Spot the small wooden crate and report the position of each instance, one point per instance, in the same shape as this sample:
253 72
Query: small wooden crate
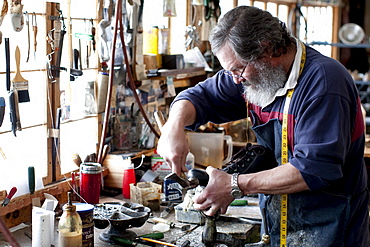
147 194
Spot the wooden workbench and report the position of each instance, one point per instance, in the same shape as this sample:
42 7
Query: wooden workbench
238 229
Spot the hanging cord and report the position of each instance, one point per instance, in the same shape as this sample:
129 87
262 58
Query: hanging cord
131 80
118 21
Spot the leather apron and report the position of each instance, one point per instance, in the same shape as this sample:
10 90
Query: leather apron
315 218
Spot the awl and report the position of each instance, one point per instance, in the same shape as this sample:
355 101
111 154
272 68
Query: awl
9 197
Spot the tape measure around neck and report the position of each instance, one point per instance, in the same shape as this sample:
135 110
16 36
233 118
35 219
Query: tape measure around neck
285 154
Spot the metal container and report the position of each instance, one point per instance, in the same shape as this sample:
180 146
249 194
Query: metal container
90 182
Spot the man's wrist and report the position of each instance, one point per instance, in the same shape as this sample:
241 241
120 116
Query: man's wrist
235 190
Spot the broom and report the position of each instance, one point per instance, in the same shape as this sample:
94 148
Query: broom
19 83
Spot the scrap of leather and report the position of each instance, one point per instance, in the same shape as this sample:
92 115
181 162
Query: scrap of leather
4 11
17 16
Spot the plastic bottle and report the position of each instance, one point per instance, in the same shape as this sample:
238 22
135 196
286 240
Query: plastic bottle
190 161
70 226
129 177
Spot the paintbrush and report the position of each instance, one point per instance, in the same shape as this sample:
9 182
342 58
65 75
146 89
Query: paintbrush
19 83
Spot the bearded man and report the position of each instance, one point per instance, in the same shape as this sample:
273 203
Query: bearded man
292 94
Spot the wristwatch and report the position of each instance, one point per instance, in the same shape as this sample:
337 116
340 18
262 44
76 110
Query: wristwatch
235 190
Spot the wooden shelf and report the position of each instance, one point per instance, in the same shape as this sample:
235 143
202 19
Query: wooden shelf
340 45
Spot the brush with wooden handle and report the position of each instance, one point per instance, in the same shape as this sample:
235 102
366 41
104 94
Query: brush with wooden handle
19 83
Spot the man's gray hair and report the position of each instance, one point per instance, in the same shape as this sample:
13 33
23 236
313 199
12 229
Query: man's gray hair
250 32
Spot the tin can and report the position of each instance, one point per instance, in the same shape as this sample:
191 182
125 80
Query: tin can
86 212
172 190
90 182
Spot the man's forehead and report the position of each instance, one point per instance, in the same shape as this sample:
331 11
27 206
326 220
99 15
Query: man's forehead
227 59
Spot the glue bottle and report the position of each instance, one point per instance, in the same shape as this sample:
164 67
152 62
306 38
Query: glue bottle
70 226
129 177
190 163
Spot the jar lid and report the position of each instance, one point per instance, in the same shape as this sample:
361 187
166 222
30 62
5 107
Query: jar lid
90 166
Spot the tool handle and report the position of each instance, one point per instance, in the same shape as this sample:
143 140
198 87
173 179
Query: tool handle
7 59
34 37
159 119
31 179
17 61
160 220
12 192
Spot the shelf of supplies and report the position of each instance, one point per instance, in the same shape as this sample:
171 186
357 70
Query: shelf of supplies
341 45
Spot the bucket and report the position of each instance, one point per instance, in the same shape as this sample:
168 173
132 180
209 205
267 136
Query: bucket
208 148
86 212
90 182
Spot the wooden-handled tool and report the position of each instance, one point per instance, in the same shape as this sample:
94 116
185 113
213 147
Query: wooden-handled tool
9 197
159 119
34 28
19 83
28 35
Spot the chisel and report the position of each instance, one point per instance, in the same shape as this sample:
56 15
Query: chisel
9 197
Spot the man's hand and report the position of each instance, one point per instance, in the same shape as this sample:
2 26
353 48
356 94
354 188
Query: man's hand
173 147
216 196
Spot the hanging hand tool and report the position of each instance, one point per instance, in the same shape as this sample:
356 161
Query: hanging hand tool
2 110
13 94
28 35
31 179
34 28
14 112
55 143
9 197
19 83
93 31
4 11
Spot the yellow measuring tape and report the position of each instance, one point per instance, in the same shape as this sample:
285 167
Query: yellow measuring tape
285 155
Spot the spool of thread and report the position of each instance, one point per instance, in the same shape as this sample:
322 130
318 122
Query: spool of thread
41 229
129 177
86 212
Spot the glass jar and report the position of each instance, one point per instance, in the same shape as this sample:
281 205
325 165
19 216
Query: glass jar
70 226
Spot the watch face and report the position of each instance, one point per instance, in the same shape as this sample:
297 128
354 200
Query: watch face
236 194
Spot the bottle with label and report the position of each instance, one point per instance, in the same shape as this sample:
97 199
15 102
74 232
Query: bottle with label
70 226
159 165
129 177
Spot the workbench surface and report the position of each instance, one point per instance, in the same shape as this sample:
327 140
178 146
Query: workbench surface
237 228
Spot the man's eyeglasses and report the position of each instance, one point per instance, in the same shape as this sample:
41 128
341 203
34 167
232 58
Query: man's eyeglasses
226 72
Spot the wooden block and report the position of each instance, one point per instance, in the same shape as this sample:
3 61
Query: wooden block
113 180
3 194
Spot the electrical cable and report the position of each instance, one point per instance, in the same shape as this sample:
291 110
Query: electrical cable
118 21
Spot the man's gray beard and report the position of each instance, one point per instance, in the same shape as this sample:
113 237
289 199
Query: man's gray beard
261 88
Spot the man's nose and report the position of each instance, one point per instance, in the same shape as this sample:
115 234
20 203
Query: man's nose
238 80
